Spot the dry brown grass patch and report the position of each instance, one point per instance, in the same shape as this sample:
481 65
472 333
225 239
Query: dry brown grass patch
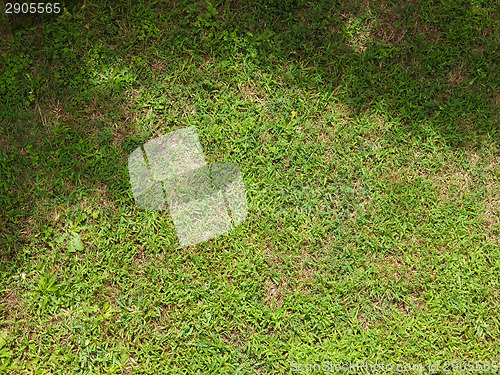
249 93
232 338
95 110
274 293
457 75
363 320
4 144
450 182
391 268
10 302
159 68
491 214
454 182
386 18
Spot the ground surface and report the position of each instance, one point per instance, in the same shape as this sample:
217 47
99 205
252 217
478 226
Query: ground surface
367 134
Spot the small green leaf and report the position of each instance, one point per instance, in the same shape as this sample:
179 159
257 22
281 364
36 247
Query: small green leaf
77 243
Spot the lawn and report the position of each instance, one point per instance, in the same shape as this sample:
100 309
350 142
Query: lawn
367 134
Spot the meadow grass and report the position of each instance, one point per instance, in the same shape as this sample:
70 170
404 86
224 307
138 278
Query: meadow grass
367 135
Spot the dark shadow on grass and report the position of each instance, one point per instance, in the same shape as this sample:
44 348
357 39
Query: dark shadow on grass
55 172
433 66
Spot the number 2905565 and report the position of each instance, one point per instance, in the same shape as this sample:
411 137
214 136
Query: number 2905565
32 8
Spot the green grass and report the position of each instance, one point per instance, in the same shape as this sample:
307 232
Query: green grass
367 135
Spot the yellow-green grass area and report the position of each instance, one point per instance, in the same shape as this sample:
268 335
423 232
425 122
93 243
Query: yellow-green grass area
367 136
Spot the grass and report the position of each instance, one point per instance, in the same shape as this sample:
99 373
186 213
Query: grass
367 135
